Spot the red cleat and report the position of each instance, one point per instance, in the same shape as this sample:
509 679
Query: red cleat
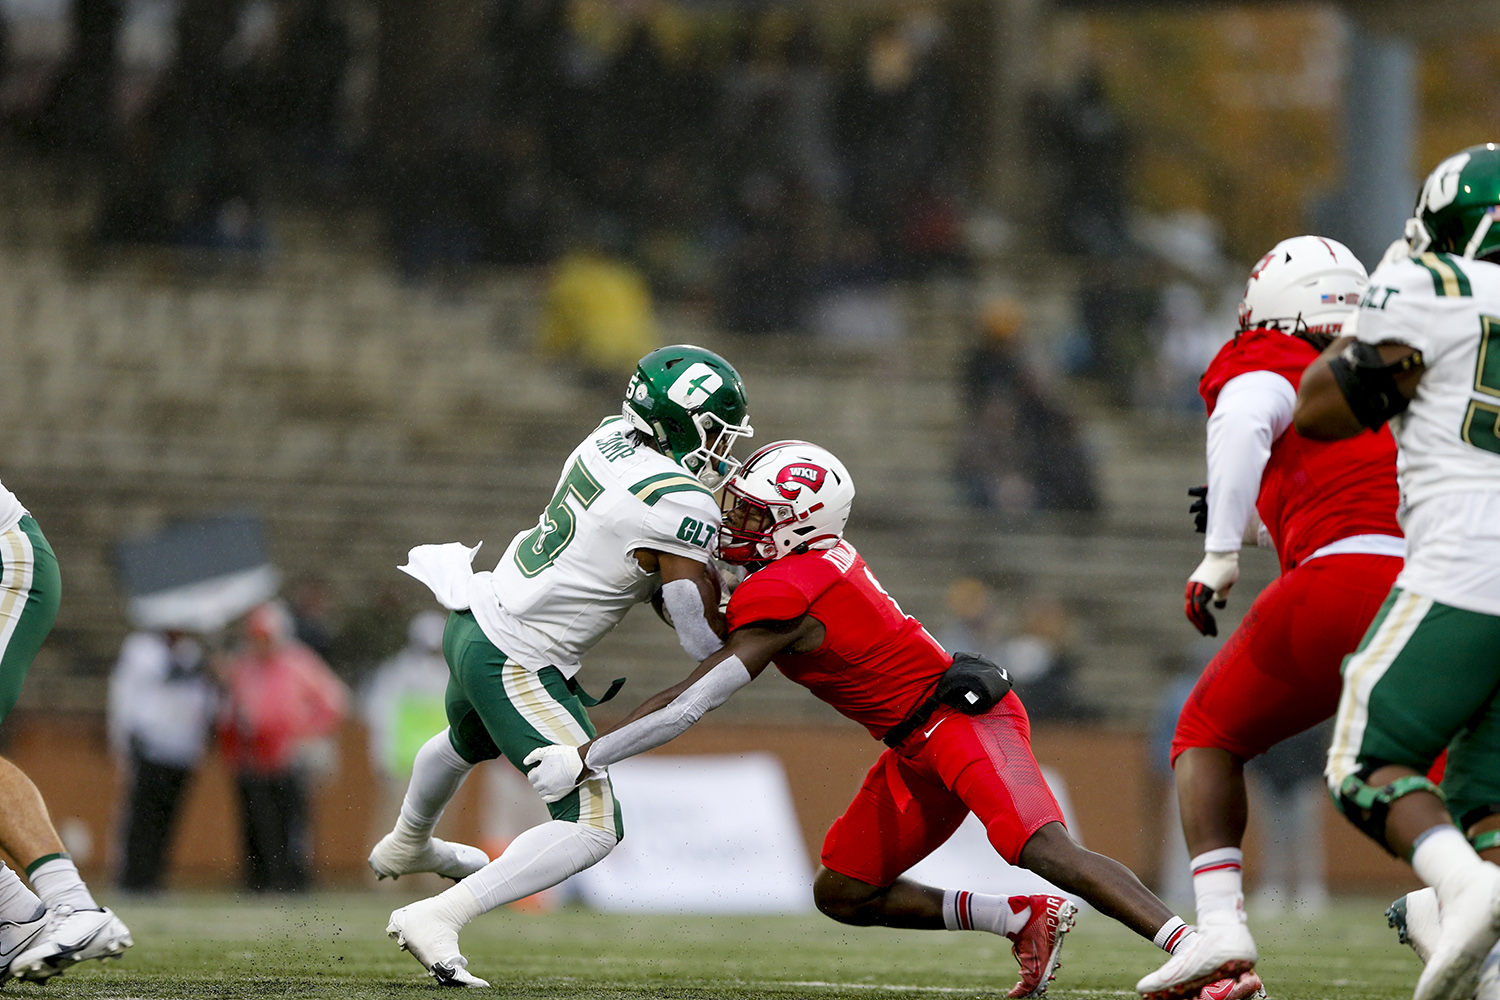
1038 945
1247 987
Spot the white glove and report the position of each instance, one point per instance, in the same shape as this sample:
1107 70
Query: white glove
1218 571
557 772
1211 580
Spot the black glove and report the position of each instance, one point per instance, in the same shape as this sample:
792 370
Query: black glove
1196 605
1199 508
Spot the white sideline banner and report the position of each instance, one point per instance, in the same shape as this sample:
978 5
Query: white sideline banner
703 834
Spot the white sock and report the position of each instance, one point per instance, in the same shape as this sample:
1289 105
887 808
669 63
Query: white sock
974 911
436 774
1173 935
1443 858
538 859
1218 886
17 903
56 880
456 904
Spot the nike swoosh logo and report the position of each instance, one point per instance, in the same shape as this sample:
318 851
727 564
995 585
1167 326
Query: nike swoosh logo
939 722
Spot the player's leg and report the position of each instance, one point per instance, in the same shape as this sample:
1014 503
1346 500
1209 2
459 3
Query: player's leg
519 710
987 762
438 770
900 815
1423 672
1276 676
78 927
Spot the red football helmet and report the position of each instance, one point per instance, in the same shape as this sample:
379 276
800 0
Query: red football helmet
787 497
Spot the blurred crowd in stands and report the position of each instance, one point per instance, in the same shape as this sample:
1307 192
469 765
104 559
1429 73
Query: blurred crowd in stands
743 155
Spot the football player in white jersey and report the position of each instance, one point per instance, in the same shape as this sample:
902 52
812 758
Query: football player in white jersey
633 514
38 937
1425 354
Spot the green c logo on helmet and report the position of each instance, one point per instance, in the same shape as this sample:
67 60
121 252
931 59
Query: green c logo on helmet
691 403
1460 204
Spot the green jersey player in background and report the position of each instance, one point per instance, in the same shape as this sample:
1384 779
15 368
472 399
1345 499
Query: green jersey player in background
633 515
1425 354
38 937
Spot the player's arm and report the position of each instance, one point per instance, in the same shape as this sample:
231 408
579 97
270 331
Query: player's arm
670 713
1355 385
1252 411
688 601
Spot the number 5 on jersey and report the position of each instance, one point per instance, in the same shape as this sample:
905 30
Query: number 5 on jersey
544 543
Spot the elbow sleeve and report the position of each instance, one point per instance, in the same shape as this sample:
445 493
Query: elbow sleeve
684 604
672 720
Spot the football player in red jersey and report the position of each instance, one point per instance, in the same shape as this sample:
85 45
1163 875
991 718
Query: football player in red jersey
1330 511
959 740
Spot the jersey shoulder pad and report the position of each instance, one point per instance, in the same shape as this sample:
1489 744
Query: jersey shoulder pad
1255 351
784 590
682 522
1424 276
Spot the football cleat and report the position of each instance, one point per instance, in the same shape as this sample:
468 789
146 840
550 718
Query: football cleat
1038 945
396 856
1470 928
1415 917
1247 987
16 936
71 936
421 930
1222 949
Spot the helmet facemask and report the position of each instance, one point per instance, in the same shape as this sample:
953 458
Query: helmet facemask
745 535
712 462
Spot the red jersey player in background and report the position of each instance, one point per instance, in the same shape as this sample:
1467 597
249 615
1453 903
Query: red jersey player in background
1330 511
959 739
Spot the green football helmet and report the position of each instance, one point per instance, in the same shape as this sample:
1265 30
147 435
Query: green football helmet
691 402
1459 205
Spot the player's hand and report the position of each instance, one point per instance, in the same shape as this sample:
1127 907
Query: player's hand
1199 508
1210 581
557 771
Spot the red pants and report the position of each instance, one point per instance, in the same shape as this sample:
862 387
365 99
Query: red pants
1278 674
916 796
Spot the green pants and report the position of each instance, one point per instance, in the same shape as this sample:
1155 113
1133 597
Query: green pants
30 592
496 706
1423 679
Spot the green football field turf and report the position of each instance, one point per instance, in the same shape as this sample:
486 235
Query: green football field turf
334 945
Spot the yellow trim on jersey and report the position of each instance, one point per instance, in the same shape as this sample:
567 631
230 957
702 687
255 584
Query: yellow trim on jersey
655 487
1447 279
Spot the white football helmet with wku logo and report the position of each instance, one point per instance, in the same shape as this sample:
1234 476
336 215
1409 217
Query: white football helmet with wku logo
789 496
1308 286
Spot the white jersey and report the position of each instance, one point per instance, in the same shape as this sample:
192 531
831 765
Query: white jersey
1449 437
566 582
11 510
1449 309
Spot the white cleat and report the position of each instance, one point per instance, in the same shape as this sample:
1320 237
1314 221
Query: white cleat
1470 928
72 936
16 936
433 941
394 857
1222 949
1415 917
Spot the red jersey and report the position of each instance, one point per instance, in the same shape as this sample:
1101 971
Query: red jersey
1311 492
876 663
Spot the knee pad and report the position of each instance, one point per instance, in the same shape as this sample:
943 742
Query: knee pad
1367 807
